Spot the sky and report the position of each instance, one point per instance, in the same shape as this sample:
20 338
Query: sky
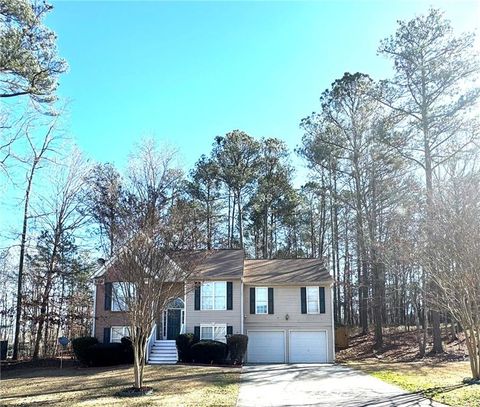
185 72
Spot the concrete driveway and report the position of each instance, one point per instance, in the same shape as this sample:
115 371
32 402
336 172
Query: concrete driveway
319 385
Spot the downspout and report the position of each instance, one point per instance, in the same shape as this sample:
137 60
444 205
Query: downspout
94 309
241 306
184 308
332 287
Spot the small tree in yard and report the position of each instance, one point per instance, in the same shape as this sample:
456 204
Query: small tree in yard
149 279
456 272
150 266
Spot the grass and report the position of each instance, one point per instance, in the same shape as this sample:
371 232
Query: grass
441 382
173 386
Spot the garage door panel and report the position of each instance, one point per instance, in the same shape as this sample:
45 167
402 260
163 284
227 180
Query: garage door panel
308 347
266 347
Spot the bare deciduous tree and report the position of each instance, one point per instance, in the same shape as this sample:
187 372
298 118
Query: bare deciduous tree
150 275
456 264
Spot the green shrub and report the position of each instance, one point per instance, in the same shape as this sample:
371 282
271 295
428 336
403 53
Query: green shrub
110 354
127 349
209 352
237 347
184 344
91 353
81 347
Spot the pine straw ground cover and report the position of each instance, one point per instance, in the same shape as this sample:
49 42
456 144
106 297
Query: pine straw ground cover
439 377
173 386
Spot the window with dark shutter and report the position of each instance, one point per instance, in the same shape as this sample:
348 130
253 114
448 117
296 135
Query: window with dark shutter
229 295
270 300
252 300
321 294
196 332
197 297
108 296
303 299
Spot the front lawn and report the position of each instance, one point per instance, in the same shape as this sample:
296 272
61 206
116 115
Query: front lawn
173 386
441 381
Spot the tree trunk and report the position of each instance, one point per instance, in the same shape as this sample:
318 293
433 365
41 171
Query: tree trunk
240 218
46 293
21 261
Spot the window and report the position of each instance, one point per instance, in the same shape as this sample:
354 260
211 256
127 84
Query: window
214 295
261 300
118 332
214 332
122 294
313 304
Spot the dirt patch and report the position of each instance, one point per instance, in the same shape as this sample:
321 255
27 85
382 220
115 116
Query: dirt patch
39 363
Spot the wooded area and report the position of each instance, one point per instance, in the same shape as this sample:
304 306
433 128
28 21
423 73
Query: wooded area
389 199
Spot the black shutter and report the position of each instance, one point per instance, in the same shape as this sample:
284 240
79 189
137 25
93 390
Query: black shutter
196 332
197 296
229 330
303 299
252 300
106 335
229 295
321 294
108 296
270 300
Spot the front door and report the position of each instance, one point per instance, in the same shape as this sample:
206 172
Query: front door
174 320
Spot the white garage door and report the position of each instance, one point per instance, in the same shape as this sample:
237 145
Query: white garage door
308 347
266 347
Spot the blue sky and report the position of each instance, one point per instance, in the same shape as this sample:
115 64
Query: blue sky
184 72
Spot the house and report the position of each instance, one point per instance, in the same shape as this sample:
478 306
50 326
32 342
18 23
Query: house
285 307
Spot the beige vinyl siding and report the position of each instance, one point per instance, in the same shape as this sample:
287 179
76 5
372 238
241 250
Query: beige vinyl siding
230 317
287 301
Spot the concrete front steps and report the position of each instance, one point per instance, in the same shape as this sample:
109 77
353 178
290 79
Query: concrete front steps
163 353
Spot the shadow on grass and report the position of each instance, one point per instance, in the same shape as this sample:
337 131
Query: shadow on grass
86 391
434 391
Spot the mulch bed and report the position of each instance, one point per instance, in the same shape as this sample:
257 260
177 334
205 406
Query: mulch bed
207 365
134 392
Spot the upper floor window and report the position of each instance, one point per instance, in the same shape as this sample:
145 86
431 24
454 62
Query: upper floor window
313 300
122 294
214 295
261 300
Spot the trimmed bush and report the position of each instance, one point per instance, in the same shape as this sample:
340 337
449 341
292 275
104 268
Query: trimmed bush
91 353
209 352
237 347
128 349
184 344
81 347
107 354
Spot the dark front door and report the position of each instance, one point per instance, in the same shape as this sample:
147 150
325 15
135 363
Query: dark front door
173 323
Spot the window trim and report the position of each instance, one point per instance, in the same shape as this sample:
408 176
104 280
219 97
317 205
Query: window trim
317 297
124 328
224 283
213 326
256 300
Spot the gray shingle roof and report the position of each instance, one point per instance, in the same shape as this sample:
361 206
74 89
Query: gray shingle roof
286 271
220 264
